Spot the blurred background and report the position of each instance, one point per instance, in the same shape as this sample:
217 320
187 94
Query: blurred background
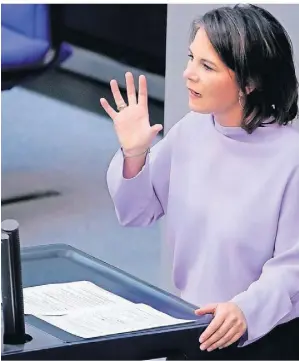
57 61
57 142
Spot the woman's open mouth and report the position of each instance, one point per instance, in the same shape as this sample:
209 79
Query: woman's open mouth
194 94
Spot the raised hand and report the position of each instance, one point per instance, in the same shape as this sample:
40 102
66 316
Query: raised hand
131 121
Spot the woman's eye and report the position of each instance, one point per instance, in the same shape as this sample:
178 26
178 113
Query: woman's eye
190 56
207 67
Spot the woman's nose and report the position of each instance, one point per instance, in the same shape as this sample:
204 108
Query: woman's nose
189 74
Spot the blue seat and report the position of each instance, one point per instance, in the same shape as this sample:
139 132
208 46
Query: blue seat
30 41
18 49
31 44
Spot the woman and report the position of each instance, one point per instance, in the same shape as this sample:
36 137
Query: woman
227 179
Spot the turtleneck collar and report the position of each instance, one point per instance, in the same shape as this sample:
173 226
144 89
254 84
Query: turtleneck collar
239 134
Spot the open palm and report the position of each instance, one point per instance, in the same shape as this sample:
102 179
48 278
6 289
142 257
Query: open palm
132 123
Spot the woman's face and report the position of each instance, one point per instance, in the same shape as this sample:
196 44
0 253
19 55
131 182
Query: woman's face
212 85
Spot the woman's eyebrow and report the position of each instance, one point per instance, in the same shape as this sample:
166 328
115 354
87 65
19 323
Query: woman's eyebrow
204 60
208 61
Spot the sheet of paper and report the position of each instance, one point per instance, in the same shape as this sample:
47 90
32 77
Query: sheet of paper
108 320
61 298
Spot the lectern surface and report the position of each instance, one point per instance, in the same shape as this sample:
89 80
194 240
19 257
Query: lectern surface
61 263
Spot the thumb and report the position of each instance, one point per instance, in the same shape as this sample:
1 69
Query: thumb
210 308
156 129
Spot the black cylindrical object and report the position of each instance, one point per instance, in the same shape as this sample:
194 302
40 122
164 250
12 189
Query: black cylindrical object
11 280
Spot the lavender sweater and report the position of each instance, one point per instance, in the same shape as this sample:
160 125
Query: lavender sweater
231 202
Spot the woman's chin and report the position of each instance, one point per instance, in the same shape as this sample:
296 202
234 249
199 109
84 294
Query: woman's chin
199 108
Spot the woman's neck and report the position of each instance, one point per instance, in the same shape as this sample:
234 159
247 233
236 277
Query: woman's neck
230 118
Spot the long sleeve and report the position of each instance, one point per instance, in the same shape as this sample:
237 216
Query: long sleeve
270 300
141 200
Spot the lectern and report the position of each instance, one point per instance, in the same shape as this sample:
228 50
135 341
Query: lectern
60 263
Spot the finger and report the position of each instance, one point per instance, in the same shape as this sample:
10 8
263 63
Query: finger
212 328
108 109
156 128
142 93
217 336
119 100
232 332
131 92
232 340
211 308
